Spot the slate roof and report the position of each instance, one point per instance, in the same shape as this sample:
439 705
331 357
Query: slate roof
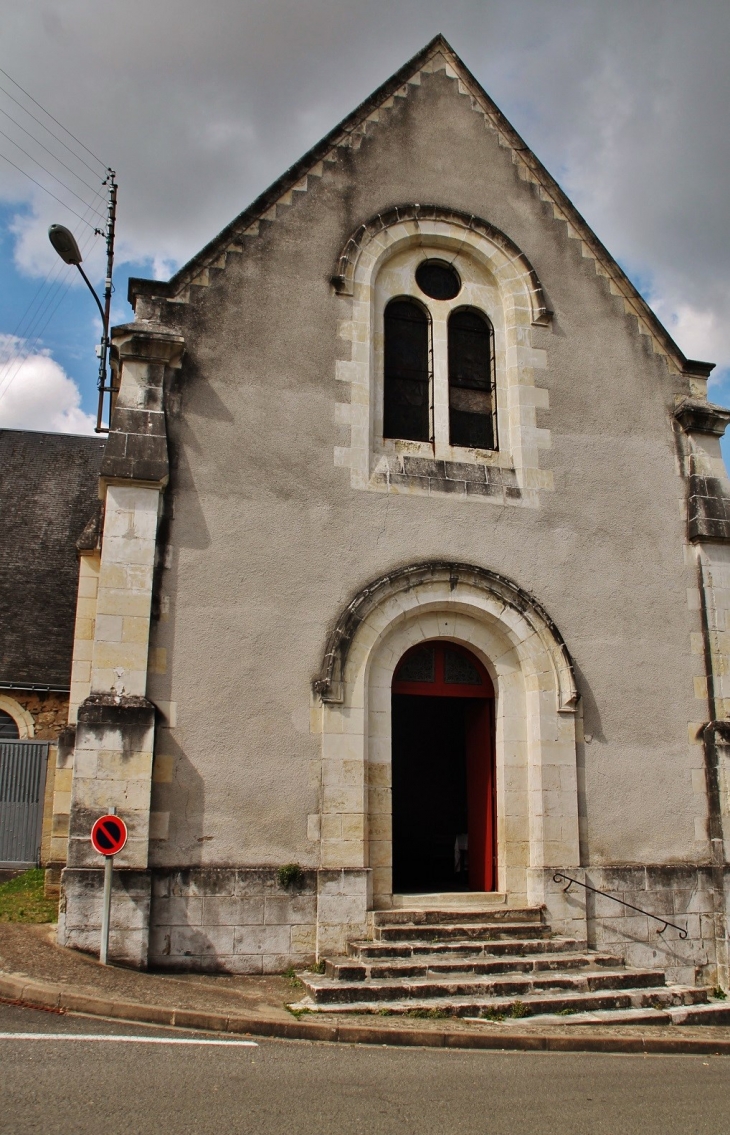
48 493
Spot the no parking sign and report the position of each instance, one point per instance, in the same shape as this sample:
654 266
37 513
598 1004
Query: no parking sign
109 835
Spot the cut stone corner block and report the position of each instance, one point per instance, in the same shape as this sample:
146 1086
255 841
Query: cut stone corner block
113 753
80 911
565 908
344 899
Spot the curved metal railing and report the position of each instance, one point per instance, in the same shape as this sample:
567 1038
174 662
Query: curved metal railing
559 877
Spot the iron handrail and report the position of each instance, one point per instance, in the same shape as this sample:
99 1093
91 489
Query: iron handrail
559 877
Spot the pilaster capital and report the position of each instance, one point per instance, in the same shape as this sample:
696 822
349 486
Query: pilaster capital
695 416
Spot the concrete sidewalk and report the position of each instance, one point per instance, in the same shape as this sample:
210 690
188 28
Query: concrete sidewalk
35 971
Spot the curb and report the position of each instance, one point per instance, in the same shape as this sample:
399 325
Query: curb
18 990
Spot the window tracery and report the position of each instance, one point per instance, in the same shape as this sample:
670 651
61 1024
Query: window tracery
474 368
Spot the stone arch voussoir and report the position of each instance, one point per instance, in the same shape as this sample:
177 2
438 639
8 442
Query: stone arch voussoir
531 630
511 267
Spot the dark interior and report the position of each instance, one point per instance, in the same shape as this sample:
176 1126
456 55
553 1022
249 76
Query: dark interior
429 793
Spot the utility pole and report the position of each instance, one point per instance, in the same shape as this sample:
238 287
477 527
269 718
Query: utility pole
65 245
103 349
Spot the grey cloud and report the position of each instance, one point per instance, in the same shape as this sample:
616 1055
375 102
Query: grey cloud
200 106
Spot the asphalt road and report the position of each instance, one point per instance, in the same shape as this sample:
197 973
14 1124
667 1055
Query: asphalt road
102 1087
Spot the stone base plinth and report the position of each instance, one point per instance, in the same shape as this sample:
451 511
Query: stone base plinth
80 910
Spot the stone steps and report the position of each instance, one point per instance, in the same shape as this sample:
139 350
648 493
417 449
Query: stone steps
349 969
496 964
324 990
511 947
563 1003
714 1013
487 917
440 931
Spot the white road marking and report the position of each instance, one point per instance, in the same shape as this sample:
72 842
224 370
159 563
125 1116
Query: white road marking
128 1039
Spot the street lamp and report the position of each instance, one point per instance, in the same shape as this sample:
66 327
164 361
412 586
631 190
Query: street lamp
64 242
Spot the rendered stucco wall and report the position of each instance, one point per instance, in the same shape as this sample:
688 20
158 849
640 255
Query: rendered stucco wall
268 539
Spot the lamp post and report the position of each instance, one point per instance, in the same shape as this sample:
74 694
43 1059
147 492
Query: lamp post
64 242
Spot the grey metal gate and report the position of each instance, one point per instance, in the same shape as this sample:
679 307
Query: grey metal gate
22 783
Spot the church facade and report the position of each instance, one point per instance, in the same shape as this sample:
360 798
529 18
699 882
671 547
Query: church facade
412 582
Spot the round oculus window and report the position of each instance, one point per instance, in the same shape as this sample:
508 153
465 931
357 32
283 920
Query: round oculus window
438 279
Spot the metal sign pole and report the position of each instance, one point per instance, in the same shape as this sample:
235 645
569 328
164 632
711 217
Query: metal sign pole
106 909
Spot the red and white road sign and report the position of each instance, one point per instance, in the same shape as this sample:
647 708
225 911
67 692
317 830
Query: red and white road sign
109 835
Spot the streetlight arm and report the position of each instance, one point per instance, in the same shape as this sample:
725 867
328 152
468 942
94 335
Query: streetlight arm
98 301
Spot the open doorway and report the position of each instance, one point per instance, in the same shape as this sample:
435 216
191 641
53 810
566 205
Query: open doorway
443 772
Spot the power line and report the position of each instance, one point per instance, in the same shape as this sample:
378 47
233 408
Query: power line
53 195
31 344
49 131
54 156
34 334
31 333
88 151
58 179
57 269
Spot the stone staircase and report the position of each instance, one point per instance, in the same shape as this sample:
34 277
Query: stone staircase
495 964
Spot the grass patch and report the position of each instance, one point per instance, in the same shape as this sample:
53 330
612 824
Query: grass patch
567 1012
427 1014
519 1009
719 994
290 876
317 967
291 975
492 1015
298 1013
22 899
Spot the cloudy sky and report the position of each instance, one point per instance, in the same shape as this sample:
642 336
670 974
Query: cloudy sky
199 106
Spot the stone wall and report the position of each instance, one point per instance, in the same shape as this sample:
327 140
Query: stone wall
80 908
682 894
49 711
216 919
242 920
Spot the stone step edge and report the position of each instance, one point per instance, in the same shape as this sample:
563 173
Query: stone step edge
439 932
424 916
317 983
403 1006
453 945
463 964
19 989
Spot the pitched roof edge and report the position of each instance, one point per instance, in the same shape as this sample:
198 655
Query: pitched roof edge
583 230
634 301
290 176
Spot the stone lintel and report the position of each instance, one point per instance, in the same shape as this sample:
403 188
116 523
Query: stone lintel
695 416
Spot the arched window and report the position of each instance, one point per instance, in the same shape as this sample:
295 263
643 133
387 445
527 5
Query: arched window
471 386
8 727
407 385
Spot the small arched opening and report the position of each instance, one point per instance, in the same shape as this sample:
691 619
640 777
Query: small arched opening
9 730
443 779
407 379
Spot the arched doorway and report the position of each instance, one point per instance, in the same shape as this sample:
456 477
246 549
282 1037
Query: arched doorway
442 772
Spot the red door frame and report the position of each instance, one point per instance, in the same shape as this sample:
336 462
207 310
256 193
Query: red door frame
481 802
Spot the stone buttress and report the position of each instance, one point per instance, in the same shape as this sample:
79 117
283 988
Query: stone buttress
115 730
708 529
